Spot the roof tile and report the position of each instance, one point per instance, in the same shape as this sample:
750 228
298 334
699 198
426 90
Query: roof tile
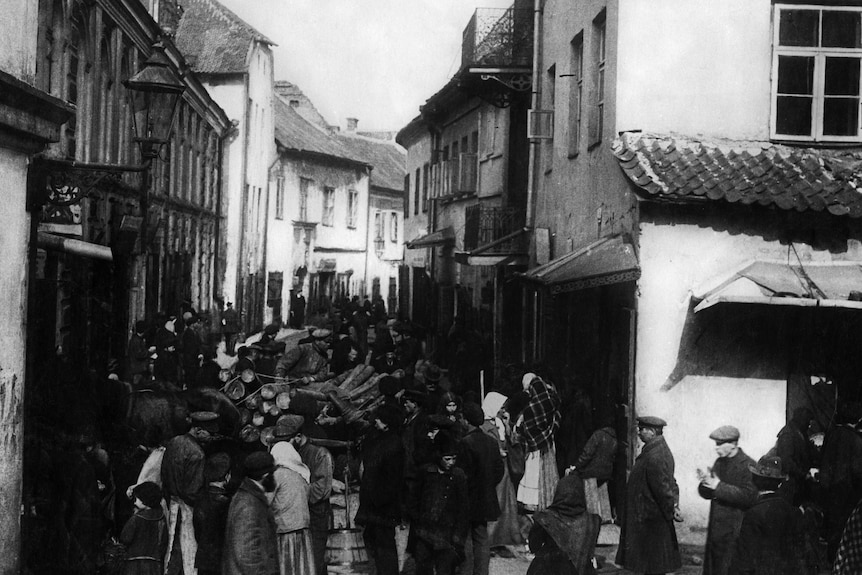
801 179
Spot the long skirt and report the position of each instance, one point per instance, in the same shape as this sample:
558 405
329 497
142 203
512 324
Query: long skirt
536 491
180 514
296 553
505 531
597 498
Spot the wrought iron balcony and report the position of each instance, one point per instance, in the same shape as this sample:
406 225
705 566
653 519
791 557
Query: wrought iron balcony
498 38
484 225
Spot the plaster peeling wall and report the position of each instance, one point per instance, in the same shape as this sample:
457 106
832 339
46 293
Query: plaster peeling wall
13 286
675 259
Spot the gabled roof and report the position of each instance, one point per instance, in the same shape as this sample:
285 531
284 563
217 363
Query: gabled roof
213 39
295 133
388 159
676 169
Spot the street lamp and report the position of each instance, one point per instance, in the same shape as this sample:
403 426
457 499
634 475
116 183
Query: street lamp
154 93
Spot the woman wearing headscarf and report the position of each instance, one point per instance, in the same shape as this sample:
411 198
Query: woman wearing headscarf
450 406
563 535
289 503
535 429
503 531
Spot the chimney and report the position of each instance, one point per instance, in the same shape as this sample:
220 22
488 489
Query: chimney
352 123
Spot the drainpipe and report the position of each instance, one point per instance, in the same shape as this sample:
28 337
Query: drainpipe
534 104
529 218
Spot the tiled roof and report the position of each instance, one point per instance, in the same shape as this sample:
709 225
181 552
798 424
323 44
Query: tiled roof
678 169
293 132
388 159
213 39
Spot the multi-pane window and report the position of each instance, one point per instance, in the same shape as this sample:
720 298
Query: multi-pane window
393 227
378 225
425 180
304 185
279 198
352 208
407 196
576 93
816 73
597 117
550 104
328 217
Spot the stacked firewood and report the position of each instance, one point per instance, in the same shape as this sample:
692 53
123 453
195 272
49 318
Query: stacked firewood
353 394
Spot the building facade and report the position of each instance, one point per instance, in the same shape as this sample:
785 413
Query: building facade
466 190
702 236
235 63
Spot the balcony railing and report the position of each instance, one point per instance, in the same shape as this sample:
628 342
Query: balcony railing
498 38
456 176
484 225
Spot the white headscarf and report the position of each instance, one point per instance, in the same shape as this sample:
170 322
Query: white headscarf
492 404
285 454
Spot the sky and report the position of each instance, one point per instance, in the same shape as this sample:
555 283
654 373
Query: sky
375 60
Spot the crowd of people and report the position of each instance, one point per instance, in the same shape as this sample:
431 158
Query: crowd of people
459 475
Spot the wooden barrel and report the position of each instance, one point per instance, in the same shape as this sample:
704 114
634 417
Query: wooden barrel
345 552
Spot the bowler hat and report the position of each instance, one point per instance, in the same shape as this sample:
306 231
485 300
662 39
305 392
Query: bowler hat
259 464
288 426
768 466
149 493
432 373
651 421
724 434
413 395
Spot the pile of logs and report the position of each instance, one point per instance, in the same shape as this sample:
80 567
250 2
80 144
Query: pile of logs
353 393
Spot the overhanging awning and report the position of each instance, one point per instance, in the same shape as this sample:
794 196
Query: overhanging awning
608 261
507 250
440 237
48 241
812 284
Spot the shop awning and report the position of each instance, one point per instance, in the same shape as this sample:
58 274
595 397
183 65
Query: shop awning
440 237
507 250
812 284
608 261
48 241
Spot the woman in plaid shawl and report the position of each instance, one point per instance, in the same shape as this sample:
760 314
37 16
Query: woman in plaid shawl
848 560
535 429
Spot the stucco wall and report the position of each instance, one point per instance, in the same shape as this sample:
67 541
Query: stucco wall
18 39
13 286
674 260
695 67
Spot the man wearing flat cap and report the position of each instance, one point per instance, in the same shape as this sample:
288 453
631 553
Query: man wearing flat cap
182 481
648 542
308 361
727 484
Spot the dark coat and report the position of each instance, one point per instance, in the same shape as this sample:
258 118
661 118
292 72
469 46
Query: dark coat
597 458
210 521
190 343
735 493
767 542
145 536
382 480
183 469
648 541
841 478
250 546
439 507
796 459
484 468
138 356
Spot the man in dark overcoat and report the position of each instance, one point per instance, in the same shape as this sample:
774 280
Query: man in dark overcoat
841 472
729 487
250 544
796 454
380 491
483 465
648 541
767 538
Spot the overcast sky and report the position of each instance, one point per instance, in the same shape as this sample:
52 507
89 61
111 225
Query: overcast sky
376 60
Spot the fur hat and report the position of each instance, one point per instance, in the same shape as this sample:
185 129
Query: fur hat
445 444
149 493
389 385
